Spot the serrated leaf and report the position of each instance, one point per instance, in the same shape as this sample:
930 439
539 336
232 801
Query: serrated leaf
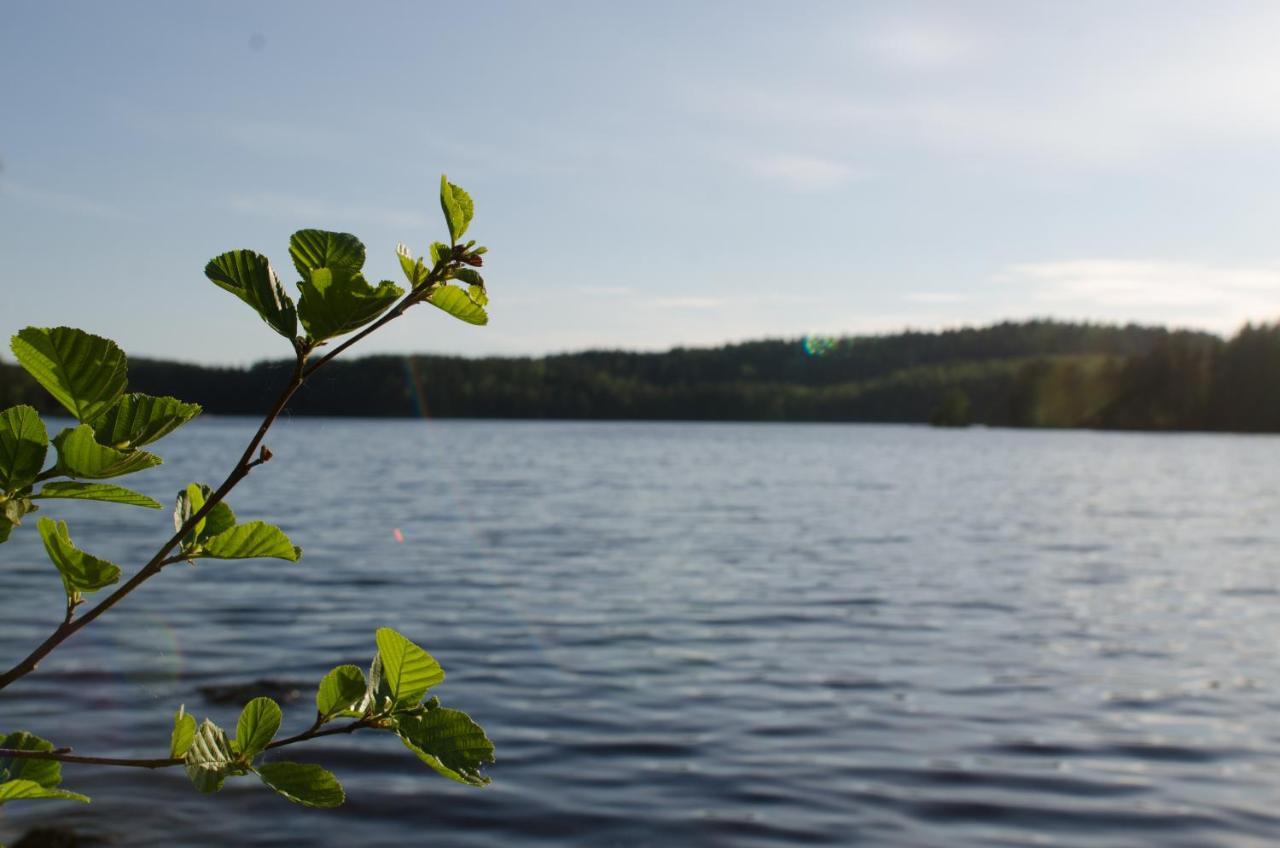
104 492
450 742
85 373
189 501
210 760
184 733
219 520
469 276
80 455
415 271
15 508
81 572
254 539
46 773
312 249
137 419
408 670
340 691
250 277
23 445
439 252
303 783
337 301
456 302
457 207
21 790
258 724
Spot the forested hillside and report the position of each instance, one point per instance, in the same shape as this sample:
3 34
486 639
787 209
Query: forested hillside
1036 373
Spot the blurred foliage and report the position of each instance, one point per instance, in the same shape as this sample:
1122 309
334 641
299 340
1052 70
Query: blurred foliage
1020 374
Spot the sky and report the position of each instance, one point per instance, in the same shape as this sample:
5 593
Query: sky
646 175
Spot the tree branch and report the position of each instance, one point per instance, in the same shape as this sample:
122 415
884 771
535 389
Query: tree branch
64 755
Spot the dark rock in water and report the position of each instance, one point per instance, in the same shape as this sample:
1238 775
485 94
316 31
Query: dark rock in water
55 837
282 691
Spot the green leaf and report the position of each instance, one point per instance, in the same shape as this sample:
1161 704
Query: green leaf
23 445
6 527
449 741
84 372
15 508
469 276
184 733
258 724
46 773
415 271
190 501
210 760
219 520
439 252
336 301
255 539
457 207
341 690
81 572
312 249
80 455
302 783
456 302
408 670
137 419
250 277
104 492
21 790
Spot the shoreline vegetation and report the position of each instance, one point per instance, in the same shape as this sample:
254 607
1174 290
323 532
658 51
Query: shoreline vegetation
1013 374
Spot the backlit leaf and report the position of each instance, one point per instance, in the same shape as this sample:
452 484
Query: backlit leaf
84 372
456 302
137 419
23 445
258 724
21 790
450 742
47 773
254 539
312 249
81 572
250 277
408 670
80 455
95 492
337 301
457 207
302 783
210 760
184 733
341 690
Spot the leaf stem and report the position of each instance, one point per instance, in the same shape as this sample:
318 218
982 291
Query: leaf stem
246 463
64 755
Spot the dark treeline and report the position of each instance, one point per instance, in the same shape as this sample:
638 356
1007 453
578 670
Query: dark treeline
1024 374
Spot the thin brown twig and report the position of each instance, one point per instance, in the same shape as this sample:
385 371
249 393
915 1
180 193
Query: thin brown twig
64 755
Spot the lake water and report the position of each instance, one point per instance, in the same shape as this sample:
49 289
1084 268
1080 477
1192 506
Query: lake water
703 635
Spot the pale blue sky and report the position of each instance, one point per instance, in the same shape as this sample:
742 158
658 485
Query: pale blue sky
646 174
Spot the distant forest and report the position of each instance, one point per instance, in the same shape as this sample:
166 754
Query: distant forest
1014 374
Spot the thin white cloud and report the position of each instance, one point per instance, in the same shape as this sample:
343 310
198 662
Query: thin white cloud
62 201
603 291
687 302
1089 100
935 297
920 44
296 208
809 173
1217 297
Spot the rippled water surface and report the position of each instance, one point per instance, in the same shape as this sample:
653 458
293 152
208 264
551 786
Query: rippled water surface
719 635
